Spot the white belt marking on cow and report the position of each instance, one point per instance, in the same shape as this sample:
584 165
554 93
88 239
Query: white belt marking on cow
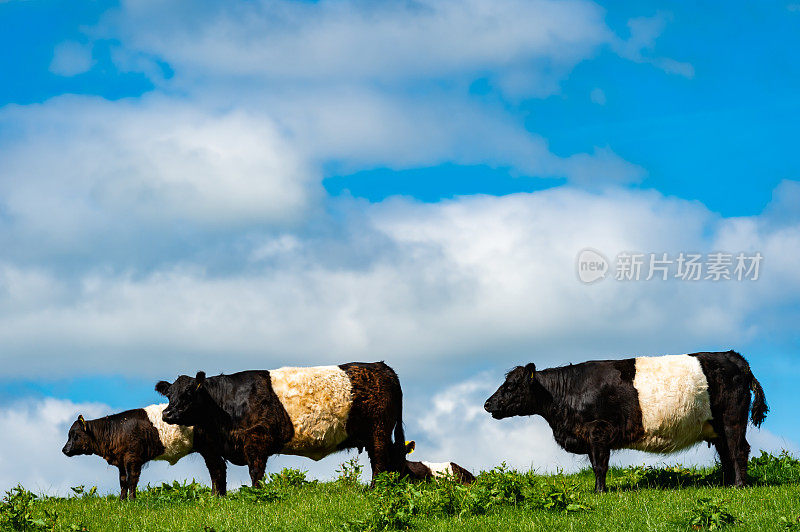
439 469
176 439
318 401
676 407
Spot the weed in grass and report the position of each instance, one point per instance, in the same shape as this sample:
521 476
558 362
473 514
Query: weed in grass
394 504
350 472
177 492
771 470
560 495
17 512
290 478
790 523
710 514
264 492
82 492
504 485
638 477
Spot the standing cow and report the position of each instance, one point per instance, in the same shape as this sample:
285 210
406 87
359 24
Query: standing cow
656 404
248 416
128 440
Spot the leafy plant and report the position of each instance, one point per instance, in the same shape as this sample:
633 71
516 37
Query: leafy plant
790 523
561 496
178 492
81 491
711 514
264 492
290 478
350 472
773 470
394 503
663 477
504 486
17 512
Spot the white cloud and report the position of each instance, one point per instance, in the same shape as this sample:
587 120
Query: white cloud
277 89
421 285
71 58
366 84
639 47
350 41
77 167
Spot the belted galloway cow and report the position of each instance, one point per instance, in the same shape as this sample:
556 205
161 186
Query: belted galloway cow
656 404
246 417
128 440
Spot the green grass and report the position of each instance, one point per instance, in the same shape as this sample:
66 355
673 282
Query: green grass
672 498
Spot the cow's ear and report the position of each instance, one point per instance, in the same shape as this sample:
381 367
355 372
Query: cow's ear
531 368
200 378
82 421
410 446
162 387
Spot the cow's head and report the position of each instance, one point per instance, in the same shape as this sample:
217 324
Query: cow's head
516 396
79 439
188 399
412 470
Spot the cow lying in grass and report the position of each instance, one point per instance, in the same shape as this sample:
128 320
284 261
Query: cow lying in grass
657 404
247 417
418 471
128 440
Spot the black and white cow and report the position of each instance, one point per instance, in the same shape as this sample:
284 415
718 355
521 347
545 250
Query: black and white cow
246 417
656 404
422 470
128 440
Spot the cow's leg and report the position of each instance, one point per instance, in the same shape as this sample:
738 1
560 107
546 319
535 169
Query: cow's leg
739 452
734 430
123 483
378 450
259 445
725 460
217 470
599 455
256 465
133 470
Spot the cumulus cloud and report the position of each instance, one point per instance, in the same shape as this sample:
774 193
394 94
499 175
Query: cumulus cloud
471 280
75 168
359 41
364 84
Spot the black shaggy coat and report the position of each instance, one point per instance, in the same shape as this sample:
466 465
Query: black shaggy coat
126 441
594 407
239 418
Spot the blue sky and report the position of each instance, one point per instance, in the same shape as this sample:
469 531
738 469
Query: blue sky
207 186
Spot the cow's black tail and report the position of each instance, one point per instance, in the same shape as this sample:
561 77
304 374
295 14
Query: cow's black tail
759 409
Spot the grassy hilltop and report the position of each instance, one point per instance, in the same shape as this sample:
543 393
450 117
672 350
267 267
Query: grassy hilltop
639 498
